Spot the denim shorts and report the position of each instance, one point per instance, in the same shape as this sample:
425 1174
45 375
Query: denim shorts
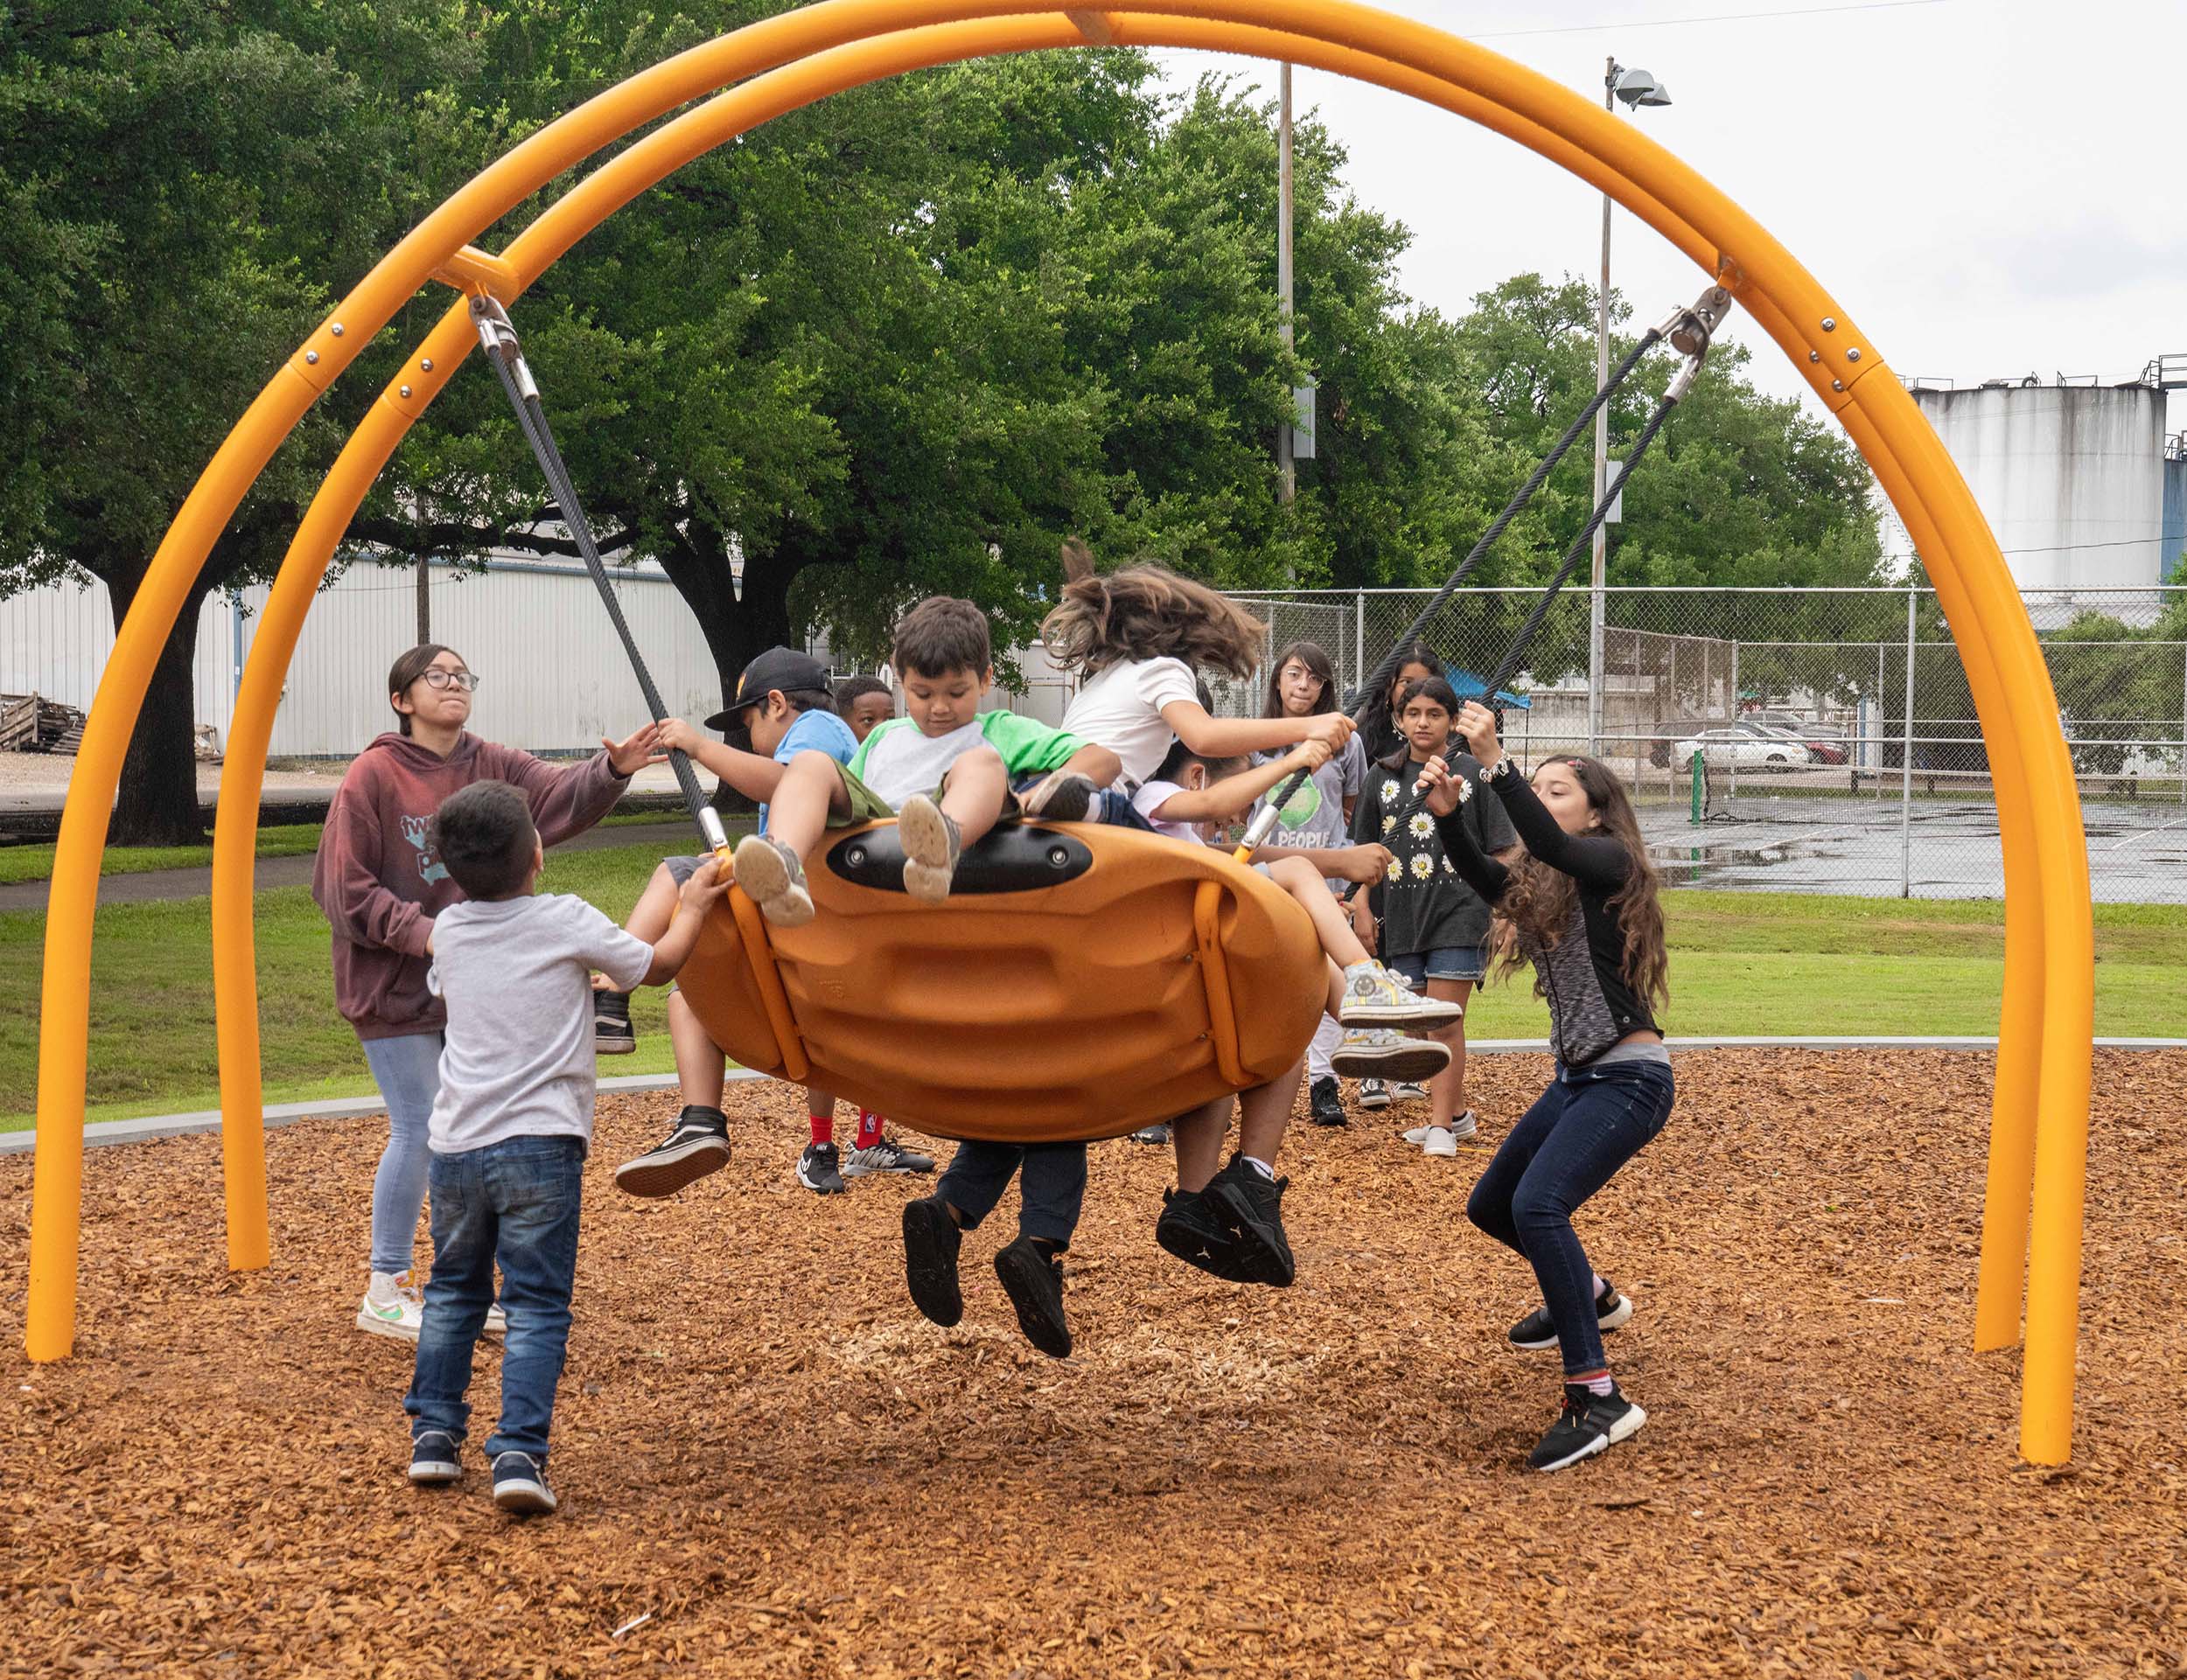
1444 963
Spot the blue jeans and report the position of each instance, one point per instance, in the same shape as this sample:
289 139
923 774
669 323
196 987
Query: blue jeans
515 1202
1590 1122
1052 1185
1444 963
1109 806
407 1070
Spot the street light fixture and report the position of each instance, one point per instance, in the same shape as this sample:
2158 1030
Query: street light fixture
1635 88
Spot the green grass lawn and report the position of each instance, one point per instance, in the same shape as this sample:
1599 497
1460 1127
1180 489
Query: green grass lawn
1769 963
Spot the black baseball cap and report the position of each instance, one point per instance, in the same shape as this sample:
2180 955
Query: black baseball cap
775 667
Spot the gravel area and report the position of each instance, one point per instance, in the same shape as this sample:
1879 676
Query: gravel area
771 1464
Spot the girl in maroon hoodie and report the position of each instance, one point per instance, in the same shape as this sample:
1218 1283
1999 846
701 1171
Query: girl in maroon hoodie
380 885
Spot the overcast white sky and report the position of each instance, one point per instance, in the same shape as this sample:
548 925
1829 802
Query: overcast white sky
1990 188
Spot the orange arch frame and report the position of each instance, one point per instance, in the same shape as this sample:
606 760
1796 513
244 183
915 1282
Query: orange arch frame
2039 1123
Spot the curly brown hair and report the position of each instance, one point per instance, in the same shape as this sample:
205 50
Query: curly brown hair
1147 612
1538 903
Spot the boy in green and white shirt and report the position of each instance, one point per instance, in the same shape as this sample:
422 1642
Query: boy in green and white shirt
944 770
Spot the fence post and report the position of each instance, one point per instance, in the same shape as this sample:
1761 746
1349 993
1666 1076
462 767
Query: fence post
1358 637
2182 719
1906 756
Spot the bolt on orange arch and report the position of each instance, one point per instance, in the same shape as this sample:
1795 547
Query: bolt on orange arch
2040 1105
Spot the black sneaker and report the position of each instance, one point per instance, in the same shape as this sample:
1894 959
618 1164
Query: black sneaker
1189 1229
886 1156
1589 1423
613 1035
1064 797
520 1485
1251 1208
1374 1093
1537 1330
819 1171
931 1241
1325 1104
1156 1136
436 1458
1033 1278
696 1145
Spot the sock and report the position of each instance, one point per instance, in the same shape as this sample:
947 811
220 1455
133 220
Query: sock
1048 1248
1601 1287
870 1125
1260 1167
1600 1387
823 1128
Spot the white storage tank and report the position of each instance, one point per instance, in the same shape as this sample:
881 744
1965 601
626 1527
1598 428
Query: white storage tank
2071 478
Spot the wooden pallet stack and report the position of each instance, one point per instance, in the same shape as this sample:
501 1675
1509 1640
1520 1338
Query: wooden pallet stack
31 724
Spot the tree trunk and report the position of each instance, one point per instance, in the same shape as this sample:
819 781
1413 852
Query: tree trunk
158 799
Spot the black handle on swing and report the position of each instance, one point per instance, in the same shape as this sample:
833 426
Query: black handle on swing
497 333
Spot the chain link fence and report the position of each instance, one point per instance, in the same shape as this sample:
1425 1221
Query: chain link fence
1809 740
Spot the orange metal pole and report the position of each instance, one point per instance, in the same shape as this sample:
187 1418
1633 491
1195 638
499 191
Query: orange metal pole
1785 298
2012 1093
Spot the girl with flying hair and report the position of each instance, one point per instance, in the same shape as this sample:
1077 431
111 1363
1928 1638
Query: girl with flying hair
1581 906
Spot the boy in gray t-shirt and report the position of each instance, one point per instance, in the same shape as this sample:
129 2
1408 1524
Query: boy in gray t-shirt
511 1126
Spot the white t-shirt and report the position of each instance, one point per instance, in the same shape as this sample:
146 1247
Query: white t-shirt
1121 710
1151 797
516 975
905 762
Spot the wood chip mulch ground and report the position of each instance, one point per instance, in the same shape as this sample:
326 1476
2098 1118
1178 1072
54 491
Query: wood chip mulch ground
771 1464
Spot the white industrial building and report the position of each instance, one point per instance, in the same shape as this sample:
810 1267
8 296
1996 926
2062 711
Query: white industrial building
2072 478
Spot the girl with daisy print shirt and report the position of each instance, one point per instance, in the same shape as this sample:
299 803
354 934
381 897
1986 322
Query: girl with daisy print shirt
1434 927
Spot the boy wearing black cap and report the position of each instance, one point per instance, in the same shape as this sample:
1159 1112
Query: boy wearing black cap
782 706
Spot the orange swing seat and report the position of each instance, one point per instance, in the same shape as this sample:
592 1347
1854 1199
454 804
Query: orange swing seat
1081 982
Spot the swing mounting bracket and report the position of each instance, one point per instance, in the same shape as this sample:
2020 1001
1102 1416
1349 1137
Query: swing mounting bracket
1690 330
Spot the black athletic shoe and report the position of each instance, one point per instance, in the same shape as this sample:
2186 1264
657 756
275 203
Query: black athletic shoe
1375 1094
1251 1208
1064 797
1033 1278
436 1458
613 1035
820 1171
520 1485
1536 1331
931 1241
1156 1136
1189 1229
886 1156
1325 1104
1589 1423
696 1145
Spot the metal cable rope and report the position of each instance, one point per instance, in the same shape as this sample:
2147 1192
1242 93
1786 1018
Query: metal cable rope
506 352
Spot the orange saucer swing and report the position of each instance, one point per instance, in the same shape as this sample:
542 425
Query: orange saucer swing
1080 982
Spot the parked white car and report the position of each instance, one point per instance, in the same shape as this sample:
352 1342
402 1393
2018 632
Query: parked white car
1743 749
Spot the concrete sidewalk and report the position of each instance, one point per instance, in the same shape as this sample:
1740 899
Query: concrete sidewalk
175 1125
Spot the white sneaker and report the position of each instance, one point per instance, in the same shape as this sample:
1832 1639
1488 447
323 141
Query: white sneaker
1375 997
496 1321
1440 1142
392 1306
1380 1052
774 880
1462 1127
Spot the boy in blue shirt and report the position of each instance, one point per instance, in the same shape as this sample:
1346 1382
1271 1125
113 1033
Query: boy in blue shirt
782 707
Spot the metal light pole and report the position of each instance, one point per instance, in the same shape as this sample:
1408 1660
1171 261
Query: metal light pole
1636 88
1286 463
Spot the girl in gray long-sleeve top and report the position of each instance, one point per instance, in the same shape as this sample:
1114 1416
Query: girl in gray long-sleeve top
381 883
1580 905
